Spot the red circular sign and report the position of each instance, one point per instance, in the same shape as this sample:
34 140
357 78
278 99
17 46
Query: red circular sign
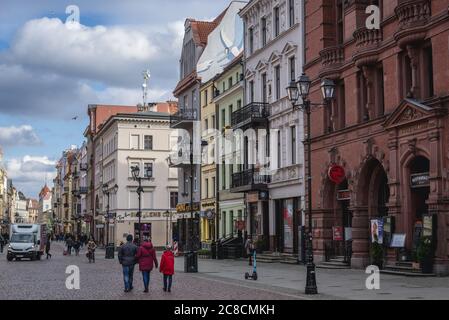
337 174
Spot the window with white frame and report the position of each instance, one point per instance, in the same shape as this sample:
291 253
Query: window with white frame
135 141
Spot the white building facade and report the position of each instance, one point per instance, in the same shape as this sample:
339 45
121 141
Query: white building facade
273 58
139 139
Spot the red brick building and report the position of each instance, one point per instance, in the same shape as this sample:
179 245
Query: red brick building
388 126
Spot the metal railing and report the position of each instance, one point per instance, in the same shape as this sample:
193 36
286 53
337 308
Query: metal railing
253 112
183 115
248 178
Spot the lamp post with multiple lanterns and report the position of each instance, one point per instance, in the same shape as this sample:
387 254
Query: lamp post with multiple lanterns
107 191
136 176
298 94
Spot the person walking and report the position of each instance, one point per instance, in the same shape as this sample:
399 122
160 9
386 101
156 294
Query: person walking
249 246
69 243
77 246
2 243
91 246
167 268
127 258
146 256
47 247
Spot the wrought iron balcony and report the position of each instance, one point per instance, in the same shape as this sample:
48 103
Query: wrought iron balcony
249 180
252 115
183 117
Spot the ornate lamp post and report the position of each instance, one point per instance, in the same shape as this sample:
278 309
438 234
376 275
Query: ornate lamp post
297 90
107 191
136 176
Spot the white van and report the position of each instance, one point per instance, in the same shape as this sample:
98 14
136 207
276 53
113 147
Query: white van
27 241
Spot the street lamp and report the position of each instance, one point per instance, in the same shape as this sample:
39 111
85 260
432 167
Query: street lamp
107 191
136 176
167 214
296 90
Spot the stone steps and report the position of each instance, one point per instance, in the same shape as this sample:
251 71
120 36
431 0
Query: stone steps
405 269
407 274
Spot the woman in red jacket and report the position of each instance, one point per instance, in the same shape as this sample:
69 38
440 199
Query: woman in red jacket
146 256
167 267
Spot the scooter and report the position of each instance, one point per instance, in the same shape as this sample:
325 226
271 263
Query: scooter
252 276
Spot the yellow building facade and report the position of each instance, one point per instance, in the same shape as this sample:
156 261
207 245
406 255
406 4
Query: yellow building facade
208 167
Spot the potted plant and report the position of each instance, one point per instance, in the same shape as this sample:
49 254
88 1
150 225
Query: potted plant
377 254
424 253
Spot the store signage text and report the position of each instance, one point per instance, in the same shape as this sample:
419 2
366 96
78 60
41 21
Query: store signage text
419 180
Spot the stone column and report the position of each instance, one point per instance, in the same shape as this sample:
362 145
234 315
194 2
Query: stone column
360 237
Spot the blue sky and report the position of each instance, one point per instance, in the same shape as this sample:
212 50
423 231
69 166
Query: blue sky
50 73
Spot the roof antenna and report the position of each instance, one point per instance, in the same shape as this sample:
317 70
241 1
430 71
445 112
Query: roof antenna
146 78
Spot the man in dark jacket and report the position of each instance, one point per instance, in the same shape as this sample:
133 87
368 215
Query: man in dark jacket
2 243
127 258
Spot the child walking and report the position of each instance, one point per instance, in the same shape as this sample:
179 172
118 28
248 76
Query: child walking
167 267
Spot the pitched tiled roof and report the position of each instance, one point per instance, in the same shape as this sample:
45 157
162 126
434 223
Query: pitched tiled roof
44 191
185 83
202 29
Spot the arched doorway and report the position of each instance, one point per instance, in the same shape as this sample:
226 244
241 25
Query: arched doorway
419 168
372 202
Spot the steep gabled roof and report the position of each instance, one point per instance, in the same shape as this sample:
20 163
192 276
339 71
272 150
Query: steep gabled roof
202 29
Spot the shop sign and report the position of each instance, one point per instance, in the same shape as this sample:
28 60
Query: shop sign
208 204
336 174
377 230
210 214
252 197
419 180
429 225
99 226
263 195
337 233
398 240
185 207
343 195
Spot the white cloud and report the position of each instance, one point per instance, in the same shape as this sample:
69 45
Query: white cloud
30 172
87 52
22 135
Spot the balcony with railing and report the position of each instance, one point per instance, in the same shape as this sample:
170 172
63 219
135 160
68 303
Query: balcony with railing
332 57
183 118
249 180
413 13
252 115
413 17
367 42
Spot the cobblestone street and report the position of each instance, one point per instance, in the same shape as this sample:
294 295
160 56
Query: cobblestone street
216 280
46 279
